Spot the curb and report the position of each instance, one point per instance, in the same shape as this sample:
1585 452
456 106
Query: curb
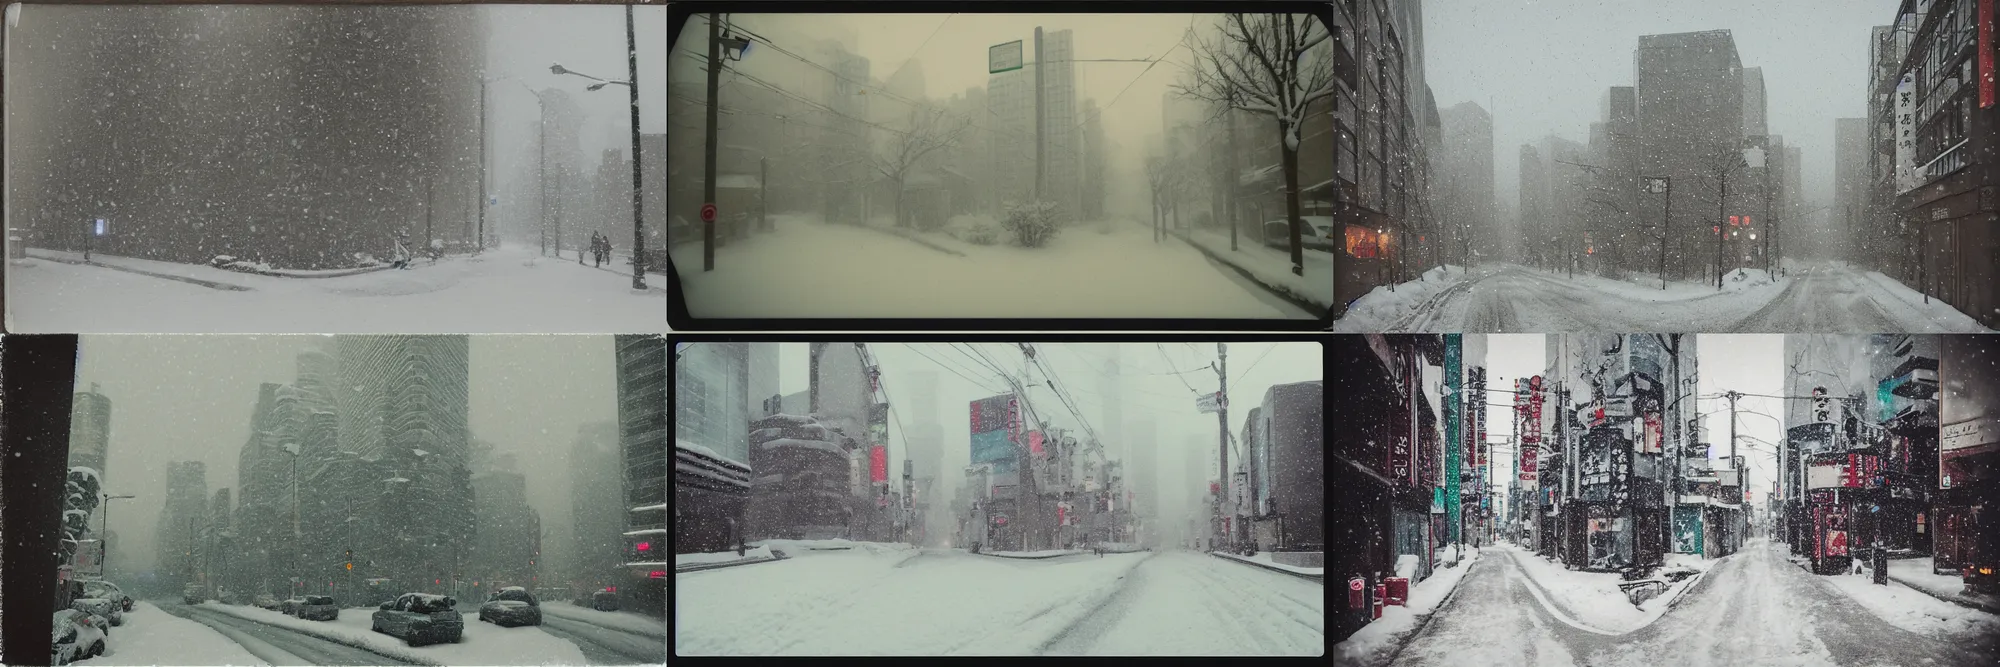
1282 293
1314 578
1954 599
163 276
1426 624
716 566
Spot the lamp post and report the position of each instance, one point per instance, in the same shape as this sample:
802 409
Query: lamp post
104 546
638 200
542 196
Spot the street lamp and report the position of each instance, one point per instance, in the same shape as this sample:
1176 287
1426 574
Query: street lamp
632 87
104 546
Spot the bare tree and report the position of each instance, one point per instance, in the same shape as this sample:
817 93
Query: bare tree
1159 175
929 130
1259 63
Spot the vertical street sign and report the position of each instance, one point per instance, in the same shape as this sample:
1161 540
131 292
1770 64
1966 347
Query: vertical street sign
1454 405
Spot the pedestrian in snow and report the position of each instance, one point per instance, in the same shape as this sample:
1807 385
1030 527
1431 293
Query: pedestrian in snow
400 257
603 250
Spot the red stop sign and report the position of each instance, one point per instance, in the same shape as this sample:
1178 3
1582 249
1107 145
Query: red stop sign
708 212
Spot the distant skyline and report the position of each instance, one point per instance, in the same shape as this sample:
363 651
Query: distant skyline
1541 66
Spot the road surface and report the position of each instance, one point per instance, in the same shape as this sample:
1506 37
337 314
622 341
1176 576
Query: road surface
279 645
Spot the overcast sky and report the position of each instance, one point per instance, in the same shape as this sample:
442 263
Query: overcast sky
1149 393
1540 66
524 40
1749 363
190 398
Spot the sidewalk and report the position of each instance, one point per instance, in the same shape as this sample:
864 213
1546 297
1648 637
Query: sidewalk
1374 643
1596 599
1917 574
1272 267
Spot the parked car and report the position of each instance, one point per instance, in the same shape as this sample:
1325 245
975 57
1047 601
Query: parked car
266 601
1317 232
75 635
604 600
290 607
101 607
192 594
511 606
99 588
420 618
317 608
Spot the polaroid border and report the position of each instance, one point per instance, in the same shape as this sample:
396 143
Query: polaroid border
679 319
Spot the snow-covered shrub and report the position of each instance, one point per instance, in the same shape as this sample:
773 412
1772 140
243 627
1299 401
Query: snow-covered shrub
1034 224
974 229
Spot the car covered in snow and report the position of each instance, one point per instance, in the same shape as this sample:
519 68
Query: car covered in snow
420 618
511 606
266 601
604 600
192 594
75 635
101 607
1317 232
99 588
290 606
317 608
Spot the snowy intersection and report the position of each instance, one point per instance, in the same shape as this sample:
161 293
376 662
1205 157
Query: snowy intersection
810 269
507 290
1753 608
886 599
1509 298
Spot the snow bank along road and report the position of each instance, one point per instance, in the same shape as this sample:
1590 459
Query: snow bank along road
1754 608
811 269
275 644
878 599
1507 298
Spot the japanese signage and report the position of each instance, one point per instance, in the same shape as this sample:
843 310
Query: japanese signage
1456 416
878 441
1986 54
1649 443
1403 443
1528 462
878 464
1906 133
1533 433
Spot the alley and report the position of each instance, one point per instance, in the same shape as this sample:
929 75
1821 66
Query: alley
1753 608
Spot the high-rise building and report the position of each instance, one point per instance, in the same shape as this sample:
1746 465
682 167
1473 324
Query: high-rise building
596 509
1537 207
90 430
1144 484
1754 104
1060 129
1850 182
642 439
397 394
183 512
1010 106
1689 102
507 547
365 137
1463 165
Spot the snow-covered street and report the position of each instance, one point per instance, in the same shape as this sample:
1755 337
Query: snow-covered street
1509 298
886 599
512 289
1752 608
217 634
1091 270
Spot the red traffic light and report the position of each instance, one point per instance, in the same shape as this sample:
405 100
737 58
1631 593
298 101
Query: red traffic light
657 574
645 546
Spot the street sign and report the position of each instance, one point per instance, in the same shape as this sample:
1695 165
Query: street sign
1210 402
708 212
1005 57
1656 184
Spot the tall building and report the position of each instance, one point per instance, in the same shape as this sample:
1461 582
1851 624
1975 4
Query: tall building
1144 484
1689 101
1060 129
1850 183
845 140
1754 104
508 543
642 439
1372 186
1886 47
1538 209
1464 182
90 430
1946 152
183 512
401 393
365 137
596 516
1010 108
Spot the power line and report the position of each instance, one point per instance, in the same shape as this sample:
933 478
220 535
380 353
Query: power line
1170 364
950 369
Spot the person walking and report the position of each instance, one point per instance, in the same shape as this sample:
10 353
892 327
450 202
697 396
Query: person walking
400 256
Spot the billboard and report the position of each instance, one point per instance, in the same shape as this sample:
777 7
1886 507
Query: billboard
1004 57
1533 433
1968 407
878 464
992 423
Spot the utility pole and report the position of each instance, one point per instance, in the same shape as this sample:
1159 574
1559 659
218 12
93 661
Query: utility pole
763 191
638 197
708 156
542 171
429 232
1222 423
482 168
1721 220
1039 141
